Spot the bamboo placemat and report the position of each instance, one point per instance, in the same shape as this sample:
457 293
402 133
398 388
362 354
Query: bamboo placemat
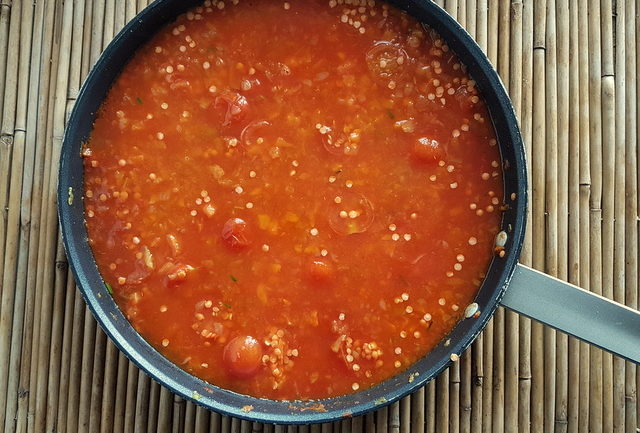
570 68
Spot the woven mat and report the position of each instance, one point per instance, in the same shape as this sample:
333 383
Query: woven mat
572 79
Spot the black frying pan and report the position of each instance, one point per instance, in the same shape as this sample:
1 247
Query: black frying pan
568 308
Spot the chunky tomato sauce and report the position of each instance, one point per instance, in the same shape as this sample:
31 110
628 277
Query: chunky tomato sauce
295 199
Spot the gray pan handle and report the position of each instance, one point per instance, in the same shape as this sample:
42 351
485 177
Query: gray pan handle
568 308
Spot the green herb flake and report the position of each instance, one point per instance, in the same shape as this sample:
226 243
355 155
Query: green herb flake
234 279
391 115
227 305
139 100
381 400
70 196
109 288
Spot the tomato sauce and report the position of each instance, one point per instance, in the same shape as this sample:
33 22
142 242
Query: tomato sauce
293 200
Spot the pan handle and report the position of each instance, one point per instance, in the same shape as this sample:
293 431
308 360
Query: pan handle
612 326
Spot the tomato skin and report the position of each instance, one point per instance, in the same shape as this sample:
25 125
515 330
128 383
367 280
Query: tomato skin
236 106
321 271
235 234
427 150
242 356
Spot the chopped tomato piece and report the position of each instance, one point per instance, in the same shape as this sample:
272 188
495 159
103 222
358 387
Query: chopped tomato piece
236 106
427 150
235 234
321 271
242 356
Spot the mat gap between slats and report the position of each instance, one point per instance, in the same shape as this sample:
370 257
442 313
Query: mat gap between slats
572 79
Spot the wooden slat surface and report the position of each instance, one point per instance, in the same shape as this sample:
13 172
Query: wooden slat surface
570 67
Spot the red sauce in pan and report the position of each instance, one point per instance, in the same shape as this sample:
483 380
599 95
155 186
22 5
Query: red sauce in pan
293 199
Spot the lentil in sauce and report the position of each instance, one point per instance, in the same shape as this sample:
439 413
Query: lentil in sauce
293 200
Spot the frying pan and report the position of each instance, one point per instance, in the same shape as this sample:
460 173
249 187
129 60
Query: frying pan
609 325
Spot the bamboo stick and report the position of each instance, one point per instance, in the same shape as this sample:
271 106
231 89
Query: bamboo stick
632 408
454 398
130 400
369 422
16 409
214 424
595 156
130 10
109 17
462 13
431 406
49 274
31 320
618 251
53 364
417 412
86 38
153 407
481 25
452 8
466 393
119 16
405 417
245 426
164 413
12 152
514 63
324 428
53 397
142 402
8 223
538 208
178 416
97 32
190 418
97 377
585 198
477 372
393 425
472 8
492 28
382 416
574 264
108 398
563 165
526 119
442 413
89 335
551 204
120 394
5 10
74 316
607 198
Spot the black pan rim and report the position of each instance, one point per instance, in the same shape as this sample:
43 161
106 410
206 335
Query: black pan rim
127 340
